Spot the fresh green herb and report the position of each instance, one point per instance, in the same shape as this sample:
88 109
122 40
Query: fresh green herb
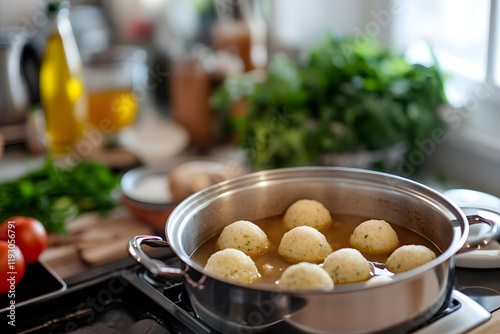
350 95
443 179
336 271
54 194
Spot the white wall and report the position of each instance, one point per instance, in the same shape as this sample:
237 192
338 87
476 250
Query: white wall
299 24
24 13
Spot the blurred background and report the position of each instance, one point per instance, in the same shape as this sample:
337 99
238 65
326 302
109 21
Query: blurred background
155 73
127 107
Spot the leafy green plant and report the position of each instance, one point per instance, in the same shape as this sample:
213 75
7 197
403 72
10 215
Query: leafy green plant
54 194
350 95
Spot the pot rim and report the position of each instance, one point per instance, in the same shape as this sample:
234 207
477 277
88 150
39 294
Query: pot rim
201 199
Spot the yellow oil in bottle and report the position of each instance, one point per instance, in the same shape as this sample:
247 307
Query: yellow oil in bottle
62 94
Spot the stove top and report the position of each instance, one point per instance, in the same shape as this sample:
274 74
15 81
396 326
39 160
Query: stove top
480 285
131 300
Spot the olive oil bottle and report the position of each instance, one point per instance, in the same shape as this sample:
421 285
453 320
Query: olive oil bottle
62 86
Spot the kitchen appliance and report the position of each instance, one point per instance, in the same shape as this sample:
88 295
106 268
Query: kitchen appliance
130 299
19 64
14 94
413 296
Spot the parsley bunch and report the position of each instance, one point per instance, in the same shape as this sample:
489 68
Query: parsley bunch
54 194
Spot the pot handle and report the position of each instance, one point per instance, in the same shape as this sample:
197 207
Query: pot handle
479 216
155 266
480 208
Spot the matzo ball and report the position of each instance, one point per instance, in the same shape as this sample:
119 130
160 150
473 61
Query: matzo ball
305 275
409 257
233 265
374 237
304 243
307 212
244 236
378 280
347 265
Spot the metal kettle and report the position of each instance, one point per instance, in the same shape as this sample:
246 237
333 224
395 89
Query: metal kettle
19 66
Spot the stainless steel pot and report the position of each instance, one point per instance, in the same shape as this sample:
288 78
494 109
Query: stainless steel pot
408 299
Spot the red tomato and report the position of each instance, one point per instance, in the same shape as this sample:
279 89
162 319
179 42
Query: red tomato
27 233
12 266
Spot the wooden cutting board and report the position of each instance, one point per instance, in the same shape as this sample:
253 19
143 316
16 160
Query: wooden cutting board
92 240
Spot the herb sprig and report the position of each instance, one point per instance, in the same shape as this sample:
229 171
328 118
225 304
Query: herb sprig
54 194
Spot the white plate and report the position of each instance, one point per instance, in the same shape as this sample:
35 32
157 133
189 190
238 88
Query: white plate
486 257
147 186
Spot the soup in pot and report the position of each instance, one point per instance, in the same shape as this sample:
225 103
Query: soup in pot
271 264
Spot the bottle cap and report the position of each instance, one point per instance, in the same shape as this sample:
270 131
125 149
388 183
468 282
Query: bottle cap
55 6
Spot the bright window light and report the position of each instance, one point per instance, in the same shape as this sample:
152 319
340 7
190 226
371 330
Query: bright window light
457 30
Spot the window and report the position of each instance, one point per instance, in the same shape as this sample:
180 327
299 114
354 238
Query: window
465 37
463 34
457 31
494 52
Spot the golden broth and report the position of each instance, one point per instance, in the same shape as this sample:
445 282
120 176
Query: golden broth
271 264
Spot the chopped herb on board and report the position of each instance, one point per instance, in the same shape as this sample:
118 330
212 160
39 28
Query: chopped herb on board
54 194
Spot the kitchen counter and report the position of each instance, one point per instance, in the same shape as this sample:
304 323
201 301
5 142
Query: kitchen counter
492 326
